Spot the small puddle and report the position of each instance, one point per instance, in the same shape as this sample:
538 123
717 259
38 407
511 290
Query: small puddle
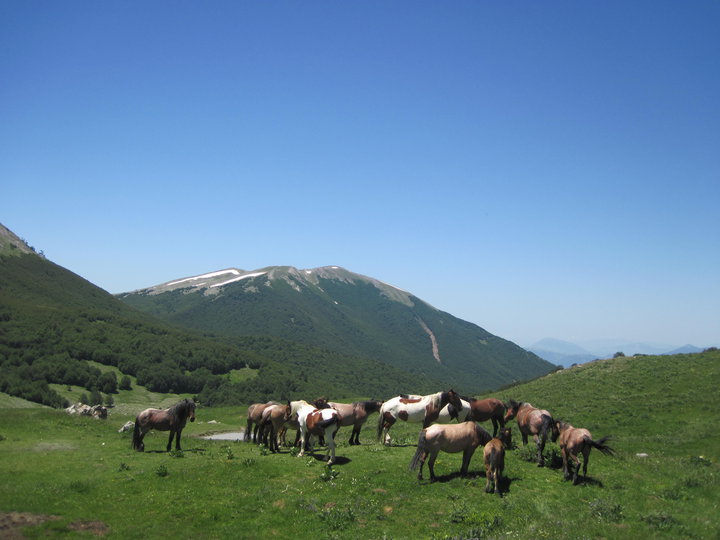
227 436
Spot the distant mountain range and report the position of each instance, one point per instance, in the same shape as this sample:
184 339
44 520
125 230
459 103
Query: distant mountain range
337 309
565 353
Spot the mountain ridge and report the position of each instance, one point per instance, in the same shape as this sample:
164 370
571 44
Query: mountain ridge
335 308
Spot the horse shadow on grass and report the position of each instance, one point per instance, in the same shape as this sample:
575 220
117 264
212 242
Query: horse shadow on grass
505 481
339 460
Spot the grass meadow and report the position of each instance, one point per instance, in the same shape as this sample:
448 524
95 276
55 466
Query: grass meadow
82 477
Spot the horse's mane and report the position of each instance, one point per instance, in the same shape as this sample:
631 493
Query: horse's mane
436 398
182 408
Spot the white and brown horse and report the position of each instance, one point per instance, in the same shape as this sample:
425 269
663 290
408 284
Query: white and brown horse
574 441
451 438
425 409
494 458
352 414
535 422
172 419
315 422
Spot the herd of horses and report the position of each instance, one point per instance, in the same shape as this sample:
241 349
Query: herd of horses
449 424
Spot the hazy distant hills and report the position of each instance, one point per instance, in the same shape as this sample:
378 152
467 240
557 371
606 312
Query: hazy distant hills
565 353
337 309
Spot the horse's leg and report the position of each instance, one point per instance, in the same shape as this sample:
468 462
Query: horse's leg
467 456
248 430
541 448
387 424
586 458
576 467
431 465
331 447
566 472
495 425
422 462
488 478
177 439
170 440
524 435
302 442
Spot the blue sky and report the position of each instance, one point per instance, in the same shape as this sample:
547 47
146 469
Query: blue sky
540 169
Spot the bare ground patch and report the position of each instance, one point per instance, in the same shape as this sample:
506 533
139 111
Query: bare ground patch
11 523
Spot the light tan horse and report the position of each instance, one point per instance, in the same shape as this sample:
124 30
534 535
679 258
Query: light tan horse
271 423
254 416
535 422
450 438
494 458
574 441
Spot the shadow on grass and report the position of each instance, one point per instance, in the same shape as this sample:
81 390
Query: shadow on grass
339 460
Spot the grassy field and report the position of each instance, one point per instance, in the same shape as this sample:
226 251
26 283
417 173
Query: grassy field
83 473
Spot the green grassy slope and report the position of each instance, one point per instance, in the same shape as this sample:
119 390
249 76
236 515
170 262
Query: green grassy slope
84 472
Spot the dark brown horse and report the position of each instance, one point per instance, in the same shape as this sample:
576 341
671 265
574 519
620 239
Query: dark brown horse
535 422
353 414
574 441
451 438
482 410
172 419
494 458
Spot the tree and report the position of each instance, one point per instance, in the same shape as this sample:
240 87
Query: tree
125 383
619 355
95 397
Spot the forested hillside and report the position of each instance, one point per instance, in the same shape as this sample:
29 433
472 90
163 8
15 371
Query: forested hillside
52 322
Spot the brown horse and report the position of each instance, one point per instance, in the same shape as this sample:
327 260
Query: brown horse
574 441
482 410
494 458
172 419
535 422
254 416
450 438
354 414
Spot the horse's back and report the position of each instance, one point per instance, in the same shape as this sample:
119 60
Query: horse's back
451 437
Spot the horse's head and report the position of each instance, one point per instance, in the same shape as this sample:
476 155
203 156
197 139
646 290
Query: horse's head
188 407
321 403
287 413
558 427
506 437
454 399
512 409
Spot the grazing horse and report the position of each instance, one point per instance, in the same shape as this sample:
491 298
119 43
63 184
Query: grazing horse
315 422
172 419
535 422
425 409
493 409
355 415
271 424
451 438
574 441
494 458
254 416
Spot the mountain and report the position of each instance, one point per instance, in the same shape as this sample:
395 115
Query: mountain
561 352
56 326
685 349
336 309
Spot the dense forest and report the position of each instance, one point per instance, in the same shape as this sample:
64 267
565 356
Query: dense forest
52 322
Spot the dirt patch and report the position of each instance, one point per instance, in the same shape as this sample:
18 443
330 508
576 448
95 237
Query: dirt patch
12 522
98 528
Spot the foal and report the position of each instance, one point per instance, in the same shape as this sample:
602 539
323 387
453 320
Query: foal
494 458
450 438
574 441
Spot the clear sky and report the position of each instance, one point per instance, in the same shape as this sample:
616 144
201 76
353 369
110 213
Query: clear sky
542 169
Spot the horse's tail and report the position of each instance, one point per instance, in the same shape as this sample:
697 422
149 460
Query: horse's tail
137 439
600 445
381 421
419 452
547 423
